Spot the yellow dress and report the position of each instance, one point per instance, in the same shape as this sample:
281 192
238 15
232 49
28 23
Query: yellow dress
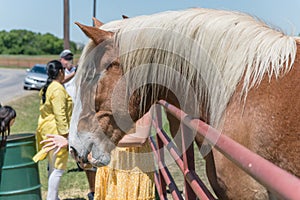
129 176
55 115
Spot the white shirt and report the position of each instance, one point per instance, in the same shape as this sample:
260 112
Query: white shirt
70 85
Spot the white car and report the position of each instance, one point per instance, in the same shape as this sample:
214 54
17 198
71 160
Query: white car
36 77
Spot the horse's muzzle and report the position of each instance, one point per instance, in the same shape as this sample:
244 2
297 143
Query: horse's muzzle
88 161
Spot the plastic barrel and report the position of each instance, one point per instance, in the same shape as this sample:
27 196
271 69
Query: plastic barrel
20 175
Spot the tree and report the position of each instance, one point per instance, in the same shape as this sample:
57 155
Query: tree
29 43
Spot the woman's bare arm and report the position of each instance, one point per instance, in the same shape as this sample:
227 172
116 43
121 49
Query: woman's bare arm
143 127
55 141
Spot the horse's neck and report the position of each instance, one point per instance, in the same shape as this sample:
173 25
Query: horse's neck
141 100
141 104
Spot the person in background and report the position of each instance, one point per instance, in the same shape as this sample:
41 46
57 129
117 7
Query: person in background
7 119
55 114
66 58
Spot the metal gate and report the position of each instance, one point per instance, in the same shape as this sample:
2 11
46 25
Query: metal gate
282 183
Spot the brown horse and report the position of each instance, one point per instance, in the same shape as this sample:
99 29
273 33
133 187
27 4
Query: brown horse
227 68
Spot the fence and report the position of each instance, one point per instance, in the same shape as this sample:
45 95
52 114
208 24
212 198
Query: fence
275 179
28 61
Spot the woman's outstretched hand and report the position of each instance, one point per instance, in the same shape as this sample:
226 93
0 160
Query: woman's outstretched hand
55 141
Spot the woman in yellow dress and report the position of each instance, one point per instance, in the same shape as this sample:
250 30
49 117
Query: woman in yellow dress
130 174
55 114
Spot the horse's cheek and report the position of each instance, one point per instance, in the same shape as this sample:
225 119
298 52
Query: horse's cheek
117 136
106 126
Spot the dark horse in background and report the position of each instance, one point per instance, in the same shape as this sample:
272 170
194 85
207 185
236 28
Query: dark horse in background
227 68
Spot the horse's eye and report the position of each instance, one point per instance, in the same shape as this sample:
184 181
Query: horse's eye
114 63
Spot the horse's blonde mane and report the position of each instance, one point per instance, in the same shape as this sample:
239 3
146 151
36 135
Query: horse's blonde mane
212 49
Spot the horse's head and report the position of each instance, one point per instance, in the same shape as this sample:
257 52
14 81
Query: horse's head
108 102
95 128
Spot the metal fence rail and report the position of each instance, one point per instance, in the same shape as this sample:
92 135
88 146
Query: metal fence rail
275 179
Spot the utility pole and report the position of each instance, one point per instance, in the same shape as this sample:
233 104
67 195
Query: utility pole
66 25
94 10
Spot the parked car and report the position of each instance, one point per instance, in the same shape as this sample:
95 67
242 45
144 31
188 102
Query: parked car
36 77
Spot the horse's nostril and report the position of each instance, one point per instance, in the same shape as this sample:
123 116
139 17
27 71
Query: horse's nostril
76 157
73 152
72 149
84 159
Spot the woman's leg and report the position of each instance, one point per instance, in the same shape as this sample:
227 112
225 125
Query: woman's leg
53 184
54 176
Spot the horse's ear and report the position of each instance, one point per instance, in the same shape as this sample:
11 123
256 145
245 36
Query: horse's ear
97 23
125 17
96 34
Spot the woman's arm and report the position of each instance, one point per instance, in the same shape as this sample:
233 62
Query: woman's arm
143 127
68 77
134 139
55 141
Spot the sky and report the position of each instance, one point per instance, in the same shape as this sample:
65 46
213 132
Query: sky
46 16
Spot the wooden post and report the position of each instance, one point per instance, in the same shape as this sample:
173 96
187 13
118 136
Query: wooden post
66 25
94 10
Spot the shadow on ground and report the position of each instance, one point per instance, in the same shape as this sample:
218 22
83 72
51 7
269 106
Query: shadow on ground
75 170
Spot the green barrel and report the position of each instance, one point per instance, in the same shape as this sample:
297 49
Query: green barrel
19 175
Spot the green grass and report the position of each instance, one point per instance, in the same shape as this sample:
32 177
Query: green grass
73 184
27 109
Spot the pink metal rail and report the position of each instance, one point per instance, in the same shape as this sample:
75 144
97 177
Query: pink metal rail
275 179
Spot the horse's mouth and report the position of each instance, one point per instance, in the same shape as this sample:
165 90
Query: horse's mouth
87 161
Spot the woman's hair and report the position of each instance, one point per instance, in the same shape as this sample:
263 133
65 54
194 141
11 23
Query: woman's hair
53 68
7 113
